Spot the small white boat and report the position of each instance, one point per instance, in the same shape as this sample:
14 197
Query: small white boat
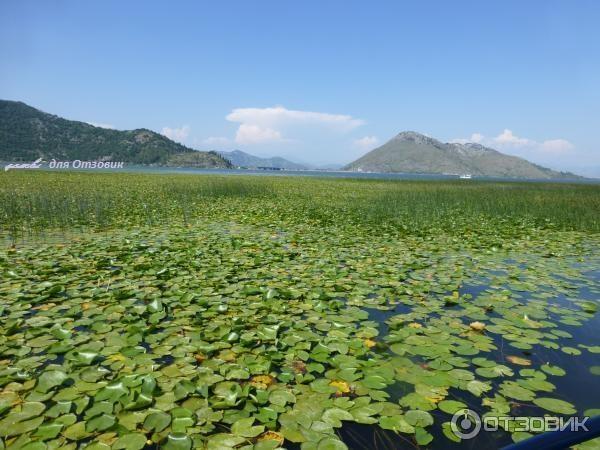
466 176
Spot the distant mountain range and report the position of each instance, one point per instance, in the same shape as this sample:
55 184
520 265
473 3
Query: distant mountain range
27 134
242 159
411 152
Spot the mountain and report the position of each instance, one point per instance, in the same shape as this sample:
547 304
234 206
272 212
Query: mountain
242 159
411 152
27 133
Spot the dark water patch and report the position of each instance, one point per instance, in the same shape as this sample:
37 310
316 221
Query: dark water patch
165 360
145 346
361 437
472 289
575 387
58 360
381 316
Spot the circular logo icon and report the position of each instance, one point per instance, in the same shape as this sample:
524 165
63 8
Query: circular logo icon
465 423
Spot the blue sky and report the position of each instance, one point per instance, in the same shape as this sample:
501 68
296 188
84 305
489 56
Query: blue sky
317 81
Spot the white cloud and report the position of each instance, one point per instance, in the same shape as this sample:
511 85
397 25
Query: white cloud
476 137
253 134
508 141
262 125
177 134
366 143
102 125
557 146
278 115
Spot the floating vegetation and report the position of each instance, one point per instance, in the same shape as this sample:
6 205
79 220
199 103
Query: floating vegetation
244 327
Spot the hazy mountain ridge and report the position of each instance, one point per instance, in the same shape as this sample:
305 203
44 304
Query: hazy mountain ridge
411 152
242 159
27 133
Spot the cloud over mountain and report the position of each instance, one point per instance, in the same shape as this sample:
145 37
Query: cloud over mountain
264 125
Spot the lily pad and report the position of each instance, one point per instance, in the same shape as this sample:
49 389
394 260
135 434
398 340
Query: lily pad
555 405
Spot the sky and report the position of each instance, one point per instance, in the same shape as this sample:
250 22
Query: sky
317 81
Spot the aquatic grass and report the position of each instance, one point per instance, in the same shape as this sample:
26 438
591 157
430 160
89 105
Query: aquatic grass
37 200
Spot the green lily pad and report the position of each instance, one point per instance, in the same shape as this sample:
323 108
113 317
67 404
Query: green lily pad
177 441
451 406
555 405
245 428
131 441
331 444
50 379
418 418
553 370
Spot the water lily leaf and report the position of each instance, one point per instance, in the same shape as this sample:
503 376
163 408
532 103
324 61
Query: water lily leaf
417 401
48 431
555 405
331 444
76 432
396 423
220 441
422 436
245 428
112 392
179 441
22 421
449 433
519 436
183 389
374 382
50 379
334 416
99 408
518 360
281 397
100 423
451 406
495 371
83 358
8 429
592 348
512 389
157 421
476 387
131 441
483 362
553 370
398 349
536 384
139 401
588 306
418 418
363 414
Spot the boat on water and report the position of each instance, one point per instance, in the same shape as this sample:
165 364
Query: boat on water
465 176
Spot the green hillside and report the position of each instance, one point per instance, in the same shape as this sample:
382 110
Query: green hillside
27 133
411 152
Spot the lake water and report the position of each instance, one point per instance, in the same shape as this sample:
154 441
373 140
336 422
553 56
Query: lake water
314 173
578 386
337 174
